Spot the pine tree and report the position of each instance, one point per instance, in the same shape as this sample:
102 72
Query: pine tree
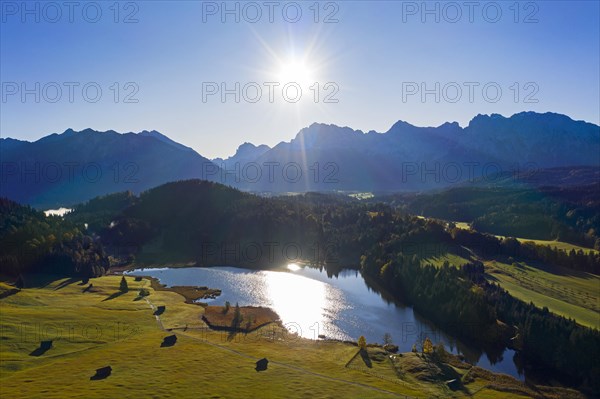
387 338
123 286
237 316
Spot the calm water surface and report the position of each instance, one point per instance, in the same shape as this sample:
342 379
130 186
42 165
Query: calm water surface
310 303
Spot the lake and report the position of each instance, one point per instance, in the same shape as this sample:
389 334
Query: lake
344 307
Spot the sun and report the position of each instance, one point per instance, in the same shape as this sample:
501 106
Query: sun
296 71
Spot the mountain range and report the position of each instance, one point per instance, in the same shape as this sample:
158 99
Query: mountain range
407 157
71 167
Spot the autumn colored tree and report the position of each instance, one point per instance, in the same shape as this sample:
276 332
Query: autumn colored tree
362 342
427 346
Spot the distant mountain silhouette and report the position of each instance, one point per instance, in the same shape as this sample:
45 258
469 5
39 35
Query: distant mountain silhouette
246 152
68 168
407 157
164 139
62 169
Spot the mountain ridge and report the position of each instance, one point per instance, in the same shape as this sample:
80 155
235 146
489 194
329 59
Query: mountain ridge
71 167
320 157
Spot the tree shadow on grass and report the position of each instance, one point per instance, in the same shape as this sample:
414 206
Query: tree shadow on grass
365 357
39 351
262 364
235 326
231 335
113 296
43 348
102 373
168 341
66 282
41 280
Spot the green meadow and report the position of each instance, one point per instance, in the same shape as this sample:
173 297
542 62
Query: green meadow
565 246
565 292
569 293
102 327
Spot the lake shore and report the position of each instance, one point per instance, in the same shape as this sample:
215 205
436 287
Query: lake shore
130 344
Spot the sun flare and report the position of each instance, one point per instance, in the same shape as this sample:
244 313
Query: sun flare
297 72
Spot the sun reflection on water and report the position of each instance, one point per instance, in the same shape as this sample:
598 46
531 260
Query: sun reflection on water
293 267
304 305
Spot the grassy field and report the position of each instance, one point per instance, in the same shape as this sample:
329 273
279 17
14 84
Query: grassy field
439 260
566 292
550 243
99 328
560 245
565 246
563 291
6 290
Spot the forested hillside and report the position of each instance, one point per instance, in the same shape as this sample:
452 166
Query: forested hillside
34 243
570 214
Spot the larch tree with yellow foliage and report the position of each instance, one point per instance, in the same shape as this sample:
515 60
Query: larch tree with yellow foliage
362 342
427 346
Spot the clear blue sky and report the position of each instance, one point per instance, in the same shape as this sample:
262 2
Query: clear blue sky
372 54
